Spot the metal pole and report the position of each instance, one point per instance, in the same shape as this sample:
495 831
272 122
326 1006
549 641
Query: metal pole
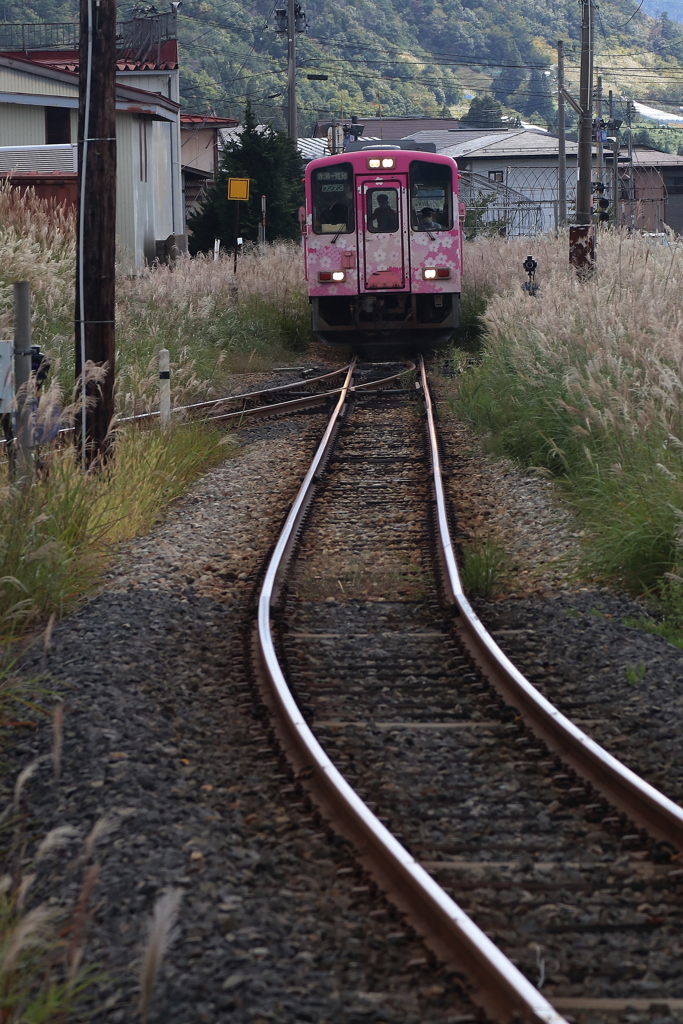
291 70
583 188
262 225
598 114
561 138
164 388
22 381
237 233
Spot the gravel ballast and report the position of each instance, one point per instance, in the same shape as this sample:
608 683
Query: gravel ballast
159 737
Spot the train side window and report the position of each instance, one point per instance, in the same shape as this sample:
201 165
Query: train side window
382 206
332 195
431 196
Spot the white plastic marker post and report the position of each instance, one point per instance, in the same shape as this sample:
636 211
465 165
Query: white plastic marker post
164 388
216 248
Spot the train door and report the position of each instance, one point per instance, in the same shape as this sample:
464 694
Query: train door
384 224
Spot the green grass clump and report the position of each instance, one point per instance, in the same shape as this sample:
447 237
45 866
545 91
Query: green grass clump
483 564
57 537
635 674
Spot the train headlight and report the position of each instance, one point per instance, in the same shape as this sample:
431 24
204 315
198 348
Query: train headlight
430 273
325 276
374 162
387 162
338 275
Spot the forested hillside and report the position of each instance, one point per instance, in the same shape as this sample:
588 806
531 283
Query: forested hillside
407 56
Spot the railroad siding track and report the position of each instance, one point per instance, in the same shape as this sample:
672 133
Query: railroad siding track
524 846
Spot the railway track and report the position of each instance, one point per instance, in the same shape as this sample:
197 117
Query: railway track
453 783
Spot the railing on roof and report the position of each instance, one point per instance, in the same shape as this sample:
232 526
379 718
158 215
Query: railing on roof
138 39
39 36
142 37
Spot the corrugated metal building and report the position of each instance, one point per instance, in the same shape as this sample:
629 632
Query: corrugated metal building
39 108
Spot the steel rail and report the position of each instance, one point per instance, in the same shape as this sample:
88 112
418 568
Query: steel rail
644 805
497 984
244 396
138 417
309 400
272 408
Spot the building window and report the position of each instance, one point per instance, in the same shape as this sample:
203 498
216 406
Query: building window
57 126
495 176
142 135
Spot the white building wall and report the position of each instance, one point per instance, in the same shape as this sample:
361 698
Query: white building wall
126 152
21 125
14 80
167 83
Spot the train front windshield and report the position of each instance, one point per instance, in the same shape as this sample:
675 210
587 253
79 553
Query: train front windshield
431 196
332 189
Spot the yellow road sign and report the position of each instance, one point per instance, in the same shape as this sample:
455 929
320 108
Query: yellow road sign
238 188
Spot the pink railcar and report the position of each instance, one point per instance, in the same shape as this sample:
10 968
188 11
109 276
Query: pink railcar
383 247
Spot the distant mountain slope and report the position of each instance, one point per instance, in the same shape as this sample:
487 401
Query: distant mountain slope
407 56
674 8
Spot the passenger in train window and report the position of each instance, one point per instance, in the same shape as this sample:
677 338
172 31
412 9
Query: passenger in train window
427 221
383 218
431 189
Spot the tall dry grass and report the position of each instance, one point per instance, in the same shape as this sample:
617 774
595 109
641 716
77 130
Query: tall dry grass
586 382
213 321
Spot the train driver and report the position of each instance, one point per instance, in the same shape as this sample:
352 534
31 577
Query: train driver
336 214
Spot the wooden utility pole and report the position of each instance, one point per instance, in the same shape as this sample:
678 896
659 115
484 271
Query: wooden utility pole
561 138
96 234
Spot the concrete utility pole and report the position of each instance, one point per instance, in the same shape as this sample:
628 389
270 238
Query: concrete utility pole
96 233
562 157
631 184
583 188
615 166
291 69
598 114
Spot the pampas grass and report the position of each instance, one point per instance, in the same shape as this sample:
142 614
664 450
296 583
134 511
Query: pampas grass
585 383
213 321
161 933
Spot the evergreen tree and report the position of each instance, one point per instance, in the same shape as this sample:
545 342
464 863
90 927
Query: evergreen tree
271 160
535 99
503 48
484 112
